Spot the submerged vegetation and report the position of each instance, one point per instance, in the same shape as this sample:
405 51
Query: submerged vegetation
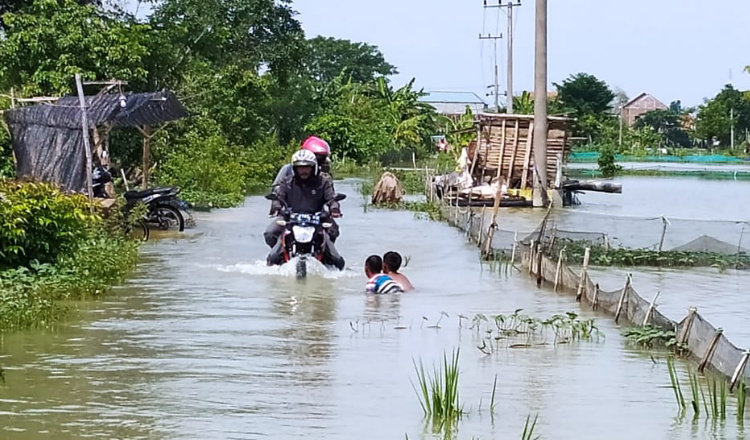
605 256
438 393
653 337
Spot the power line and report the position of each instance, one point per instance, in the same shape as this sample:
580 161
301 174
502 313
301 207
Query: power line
509 6
496 92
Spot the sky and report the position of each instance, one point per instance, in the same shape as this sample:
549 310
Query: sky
673 49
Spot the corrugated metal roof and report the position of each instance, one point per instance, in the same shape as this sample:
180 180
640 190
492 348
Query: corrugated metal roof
453 97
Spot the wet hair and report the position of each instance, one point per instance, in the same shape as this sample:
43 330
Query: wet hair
392 259
374 264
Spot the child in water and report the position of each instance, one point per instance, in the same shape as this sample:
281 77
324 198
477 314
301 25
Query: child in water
391 265
379 282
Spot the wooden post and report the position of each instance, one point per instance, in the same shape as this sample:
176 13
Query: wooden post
622 300
595 303
146 154
663 233
85 135
513 156
584 270
559 269
539 261
559 171
710 351
125 180
682 337
532 257
481 227
739 370
502 152
527 157
650 309
515 245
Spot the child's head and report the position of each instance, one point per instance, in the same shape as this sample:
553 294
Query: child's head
392 262
373 265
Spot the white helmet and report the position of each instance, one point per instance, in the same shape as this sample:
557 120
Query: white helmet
302 158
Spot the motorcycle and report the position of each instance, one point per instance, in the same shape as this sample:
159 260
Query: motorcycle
162 202
304 237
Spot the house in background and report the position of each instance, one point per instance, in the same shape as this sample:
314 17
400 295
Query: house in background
639 105
454 103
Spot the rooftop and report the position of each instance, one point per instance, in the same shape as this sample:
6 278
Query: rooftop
453 97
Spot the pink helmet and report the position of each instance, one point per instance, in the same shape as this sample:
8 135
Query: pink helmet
317 146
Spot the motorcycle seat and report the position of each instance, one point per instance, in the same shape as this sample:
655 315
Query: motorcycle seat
131 195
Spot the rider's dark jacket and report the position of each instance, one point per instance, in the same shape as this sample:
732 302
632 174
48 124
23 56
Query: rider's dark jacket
306 196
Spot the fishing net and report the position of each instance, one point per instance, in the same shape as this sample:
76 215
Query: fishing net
699 340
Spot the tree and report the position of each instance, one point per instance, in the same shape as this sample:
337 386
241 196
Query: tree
327 58
584 94
589 100
714 121
46 43
668 123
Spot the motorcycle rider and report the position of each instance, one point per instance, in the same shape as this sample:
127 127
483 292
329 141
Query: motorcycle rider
322 152
307 191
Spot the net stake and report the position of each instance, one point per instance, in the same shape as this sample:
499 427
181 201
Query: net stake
622 299
596 297
739 370
513 252
559 268
650 309
582 278
710 351
532 257
685 330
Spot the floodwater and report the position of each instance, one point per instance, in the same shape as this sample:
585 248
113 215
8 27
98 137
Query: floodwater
204 342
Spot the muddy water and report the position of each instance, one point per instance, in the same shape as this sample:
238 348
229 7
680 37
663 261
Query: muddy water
204 342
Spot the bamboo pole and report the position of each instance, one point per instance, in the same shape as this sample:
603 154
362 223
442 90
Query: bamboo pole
650 309
527 157
515 245
559 269
86 145
595 302
532 257
739 370
146 154
663 233
710 351
584 272
513 156
622 299
685 330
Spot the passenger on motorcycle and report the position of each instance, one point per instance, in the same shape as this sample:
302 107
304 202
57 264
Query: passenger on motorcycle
322 152
307 191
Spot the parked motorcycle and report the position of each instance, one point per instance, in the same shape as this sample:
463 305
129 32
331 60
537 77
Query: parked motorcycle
305 236
162 202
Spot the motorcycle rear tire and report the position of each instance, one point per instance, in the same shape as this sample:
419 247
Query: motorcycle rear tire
173 212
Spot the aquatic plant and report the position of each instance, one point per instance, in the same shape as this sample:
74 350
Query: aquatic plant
741 396
714 396
528 430
675 383
601 255
438 393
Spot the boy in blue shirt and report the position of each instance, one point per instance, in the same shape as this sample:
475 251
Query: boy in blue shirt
379 282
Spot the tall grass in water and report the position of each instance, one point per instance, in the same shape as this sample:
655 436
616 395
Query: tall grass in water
528 430
438 394
675 383
741 397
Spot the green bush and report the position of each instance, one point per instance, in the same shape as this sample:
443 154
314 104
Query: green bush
606 161
38 222
211 171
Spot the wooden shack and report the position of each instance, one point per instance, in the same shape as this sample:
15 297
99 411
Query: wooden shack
506 149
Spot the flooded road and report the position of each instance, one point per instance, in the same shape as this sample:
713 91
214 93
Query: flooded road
205 342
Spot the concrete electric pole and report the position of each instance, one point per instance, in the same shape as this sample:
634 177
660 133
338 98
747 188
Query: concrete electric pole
509 38
540 105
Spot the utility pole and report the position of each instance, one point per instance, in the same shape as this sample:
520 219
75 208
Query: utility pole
497 83
509 39
540 105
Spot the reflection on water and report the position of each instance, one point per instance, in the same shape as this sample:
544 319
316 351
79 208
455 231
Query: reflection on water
205 342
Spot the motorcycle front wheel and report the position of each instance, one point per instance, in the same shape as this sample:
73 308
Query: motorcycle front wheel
167 218
301 268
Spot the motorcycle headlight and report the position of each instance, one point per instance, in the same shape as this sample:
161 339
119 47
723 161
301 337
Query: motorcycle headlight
303 234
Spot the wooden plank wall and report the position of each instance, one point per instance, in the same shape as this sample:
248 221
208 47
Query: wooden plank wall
512 139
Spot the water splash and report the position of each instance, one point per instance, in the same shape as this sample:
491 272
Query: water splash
314 268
